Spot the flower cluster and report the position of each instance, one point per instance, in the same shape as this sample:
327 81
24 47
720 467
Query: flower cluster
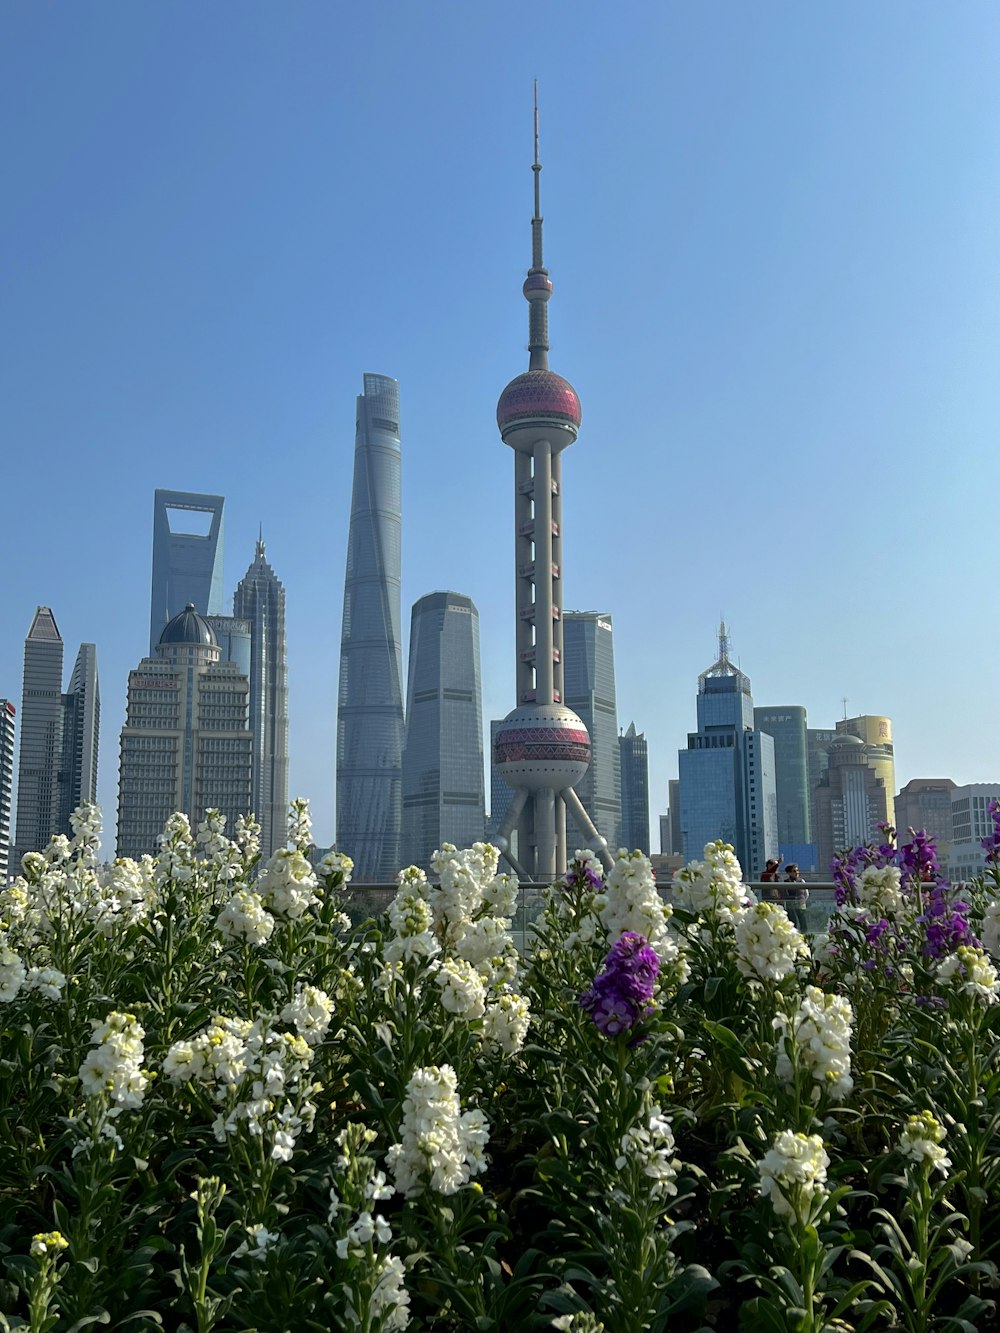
439 1145
632 903
585 873
651 1147
506 1023
970 972
288 885
375 1293
310 1013
114 1068
712 887
793 1174
920 1142
768 946
879 889
819 1033
245 917
255 1073
622 994
462 989
12 971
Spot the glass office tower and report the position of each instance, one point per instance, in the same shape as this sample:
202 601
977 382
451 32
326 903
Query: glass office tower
187 557
444 798
589 681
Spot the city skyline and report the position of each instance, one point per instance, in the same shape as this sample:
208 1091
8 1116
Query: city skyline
805 300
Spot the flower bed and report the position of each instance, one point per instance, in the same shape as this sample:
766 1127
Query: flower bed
226 1106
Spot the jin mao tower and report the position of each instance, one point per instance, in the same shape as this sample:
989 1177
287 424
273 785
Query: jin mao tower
542 748
260 600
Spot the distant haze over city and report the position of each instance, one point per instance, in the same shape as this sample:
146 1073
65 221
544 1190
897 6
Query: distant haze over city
772 238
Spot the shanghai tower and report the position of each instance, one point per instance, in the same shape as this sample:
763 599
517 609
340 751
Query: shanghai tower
542 749
370 701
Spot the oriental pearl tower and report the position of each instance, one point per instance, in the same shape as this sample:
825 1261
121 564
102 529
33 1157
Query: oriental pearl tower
541 748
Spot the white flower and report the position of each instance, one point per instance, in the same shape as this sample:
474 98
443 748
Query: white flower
299 824
48 981
113 1069
793 1173
970 972
336 863
245 917
288 885
631 900
411 918
12 972
258 1243
462 989
390 1298
767 944
820 1028
310 1013
438 1145
878 890
713 887
652 1147
500 894
506 1022
990 930
920 1139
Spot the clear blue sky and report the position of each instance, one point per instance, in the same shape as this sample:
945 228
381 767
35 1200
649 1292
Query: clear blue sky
773 232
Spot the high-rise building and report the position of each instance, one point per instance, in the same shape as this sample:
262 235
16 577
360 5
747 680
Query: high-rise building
260 603
970 823
542 749
186 744
727 772
234 636
850 801
7 714
40 757
187 557
676 846
925 804
786 725
635 789
444 799
81 730
876 732
589 681
370 719
57 766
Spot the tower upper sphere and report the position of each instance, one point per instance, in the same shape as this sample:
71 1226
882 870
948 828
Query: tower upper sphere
538 404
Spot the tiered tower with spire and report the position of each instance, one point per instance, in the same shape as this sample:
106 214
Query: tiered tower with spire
541 748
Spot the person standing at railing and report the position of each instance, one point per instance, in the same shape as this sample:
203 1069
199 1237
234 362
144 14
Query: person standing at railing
769 875
795 896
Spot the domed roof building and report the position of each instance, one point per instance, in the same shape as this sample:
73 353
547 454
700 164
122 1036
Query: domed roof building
186 744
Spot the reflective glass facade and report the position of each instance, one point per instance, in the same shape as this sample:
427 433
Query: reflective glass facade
187 561
635 789
786 725
443 783
727 780
370 720
589 685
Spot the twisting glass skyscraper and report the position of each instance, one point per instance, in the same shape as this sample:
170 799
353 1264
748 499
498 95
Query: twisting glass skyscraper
444 798
542 749
370 702
260 600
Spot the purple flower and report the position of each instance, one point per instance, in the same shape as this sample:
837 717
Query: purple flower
947 927
623 993
918 860
875 932
991 844
583 875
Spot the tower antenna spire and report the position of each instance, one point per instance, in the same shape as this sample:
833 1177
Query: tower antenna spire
537 286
